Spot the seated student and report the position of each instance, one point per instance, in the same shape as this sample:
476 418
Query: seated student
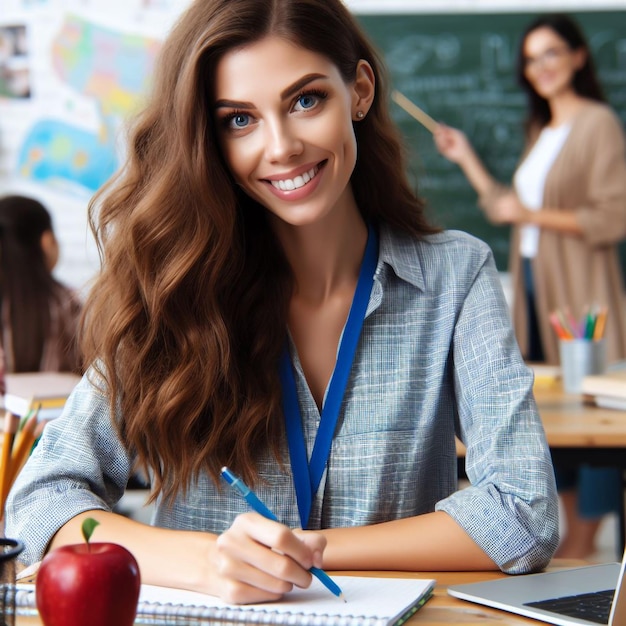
264 203
39 315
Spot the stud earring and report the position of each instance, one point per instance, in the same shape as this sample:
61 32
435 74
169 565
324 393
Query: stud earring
360 115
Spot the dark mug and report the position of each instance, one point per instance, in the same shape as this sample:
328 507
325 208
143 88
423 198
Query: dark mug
10 548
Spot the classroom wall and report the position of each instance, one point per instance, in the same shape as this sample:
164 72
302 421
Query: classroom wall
72 72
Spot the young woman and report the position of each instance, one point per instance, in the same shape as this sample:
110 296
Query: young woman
39 314
273 299
568 209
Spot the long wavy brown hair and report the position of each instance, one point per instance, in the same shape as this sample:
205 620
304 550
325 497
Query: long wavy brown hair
187 320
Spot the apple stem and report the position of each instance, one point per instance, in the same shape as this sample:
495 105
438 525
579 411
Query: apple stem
87 528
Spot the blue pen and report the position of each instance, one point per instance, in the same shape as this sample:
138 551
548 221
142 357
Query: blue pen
251 498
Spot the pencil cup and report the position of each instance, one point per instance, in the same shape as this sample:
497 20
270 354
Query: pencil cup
10 548
580 357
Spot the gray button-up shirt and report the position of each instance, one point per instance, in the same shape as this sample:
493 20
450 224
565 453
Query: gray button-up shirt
437 357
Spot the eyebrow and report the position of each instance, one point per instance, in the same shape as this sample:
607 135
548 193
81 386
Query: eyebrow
285 93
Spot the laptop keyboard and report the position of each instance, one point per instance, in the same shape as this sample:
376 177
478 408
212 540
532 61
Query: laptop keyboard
594 607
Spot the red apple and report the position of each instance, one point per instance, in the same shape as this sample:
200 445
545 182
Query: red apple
88 584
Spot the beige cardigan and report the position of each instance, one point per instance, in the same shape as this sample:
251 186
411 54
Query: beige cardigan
588 176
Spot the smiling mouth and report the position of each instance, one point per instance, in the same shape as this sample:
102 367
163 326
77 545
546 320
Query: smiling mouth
289 184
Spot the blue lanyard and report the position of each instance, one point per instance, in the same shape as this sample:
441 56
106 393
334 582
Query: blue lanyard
307 475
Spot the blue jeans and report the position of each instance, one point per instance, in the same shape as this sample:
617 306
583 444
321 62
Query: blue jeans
535 347
599 489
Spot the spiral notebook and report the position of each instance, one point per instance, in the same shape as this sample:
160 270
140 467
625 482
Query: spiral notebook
370 602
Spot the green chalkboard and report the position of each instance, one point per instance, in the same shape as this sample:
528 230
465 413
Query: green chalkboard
460 68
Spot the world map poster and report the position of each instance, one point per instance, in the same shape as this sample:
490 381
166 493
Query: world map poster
72 74
111 69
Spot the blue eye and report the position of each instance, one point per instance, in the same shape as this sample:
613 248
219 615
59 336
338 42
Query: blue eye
239 120
307 101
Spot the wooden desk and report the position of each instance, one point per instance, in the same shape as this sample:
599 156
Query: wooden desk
571 423
440 610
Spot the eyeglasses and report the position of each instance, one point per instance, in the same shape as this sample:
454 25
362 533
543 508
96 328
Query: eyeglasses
549 57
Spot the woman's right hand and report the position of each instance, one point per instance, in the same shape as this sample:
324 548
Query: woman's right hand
259 560
452 143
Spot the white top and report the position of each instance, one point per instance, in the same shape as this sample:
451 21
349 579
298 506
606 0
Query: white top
530 179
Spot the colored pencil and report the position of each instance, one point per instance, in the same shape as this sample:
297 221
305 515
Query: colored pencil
590 327
24 441
598 331
10 427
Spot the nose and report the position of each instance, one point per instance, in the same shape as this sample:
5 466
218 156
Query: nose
281 141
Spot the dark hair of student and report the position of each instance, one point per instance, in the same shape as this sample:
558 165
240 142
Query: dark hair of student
585 81
187 320
27 286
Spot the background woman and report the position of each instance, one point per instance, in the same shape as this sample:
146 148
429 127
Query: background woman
568 210
39 314
568 201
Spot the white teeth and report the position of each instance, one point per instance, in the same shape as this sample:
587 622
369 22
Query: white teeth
290 184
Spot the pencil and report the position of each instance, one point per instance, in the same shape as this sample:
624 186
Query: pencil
39 429
560 329
10 426
598 331
565 325
22 446
414 111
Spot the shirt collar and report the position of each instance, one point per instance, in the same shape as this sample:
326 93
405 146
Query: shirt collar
402 253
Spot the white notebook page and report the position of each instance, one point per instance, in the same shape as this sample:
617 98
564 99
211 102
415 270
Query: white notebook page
383 599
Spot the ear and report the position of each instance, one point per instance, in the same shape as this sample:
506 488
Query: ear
363 90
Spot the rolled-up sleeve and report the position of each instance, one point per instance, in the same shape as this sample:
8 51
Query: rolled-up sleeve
510 509
78 465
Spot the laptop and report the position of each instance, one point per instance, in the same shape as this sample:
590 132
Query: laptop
589 595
